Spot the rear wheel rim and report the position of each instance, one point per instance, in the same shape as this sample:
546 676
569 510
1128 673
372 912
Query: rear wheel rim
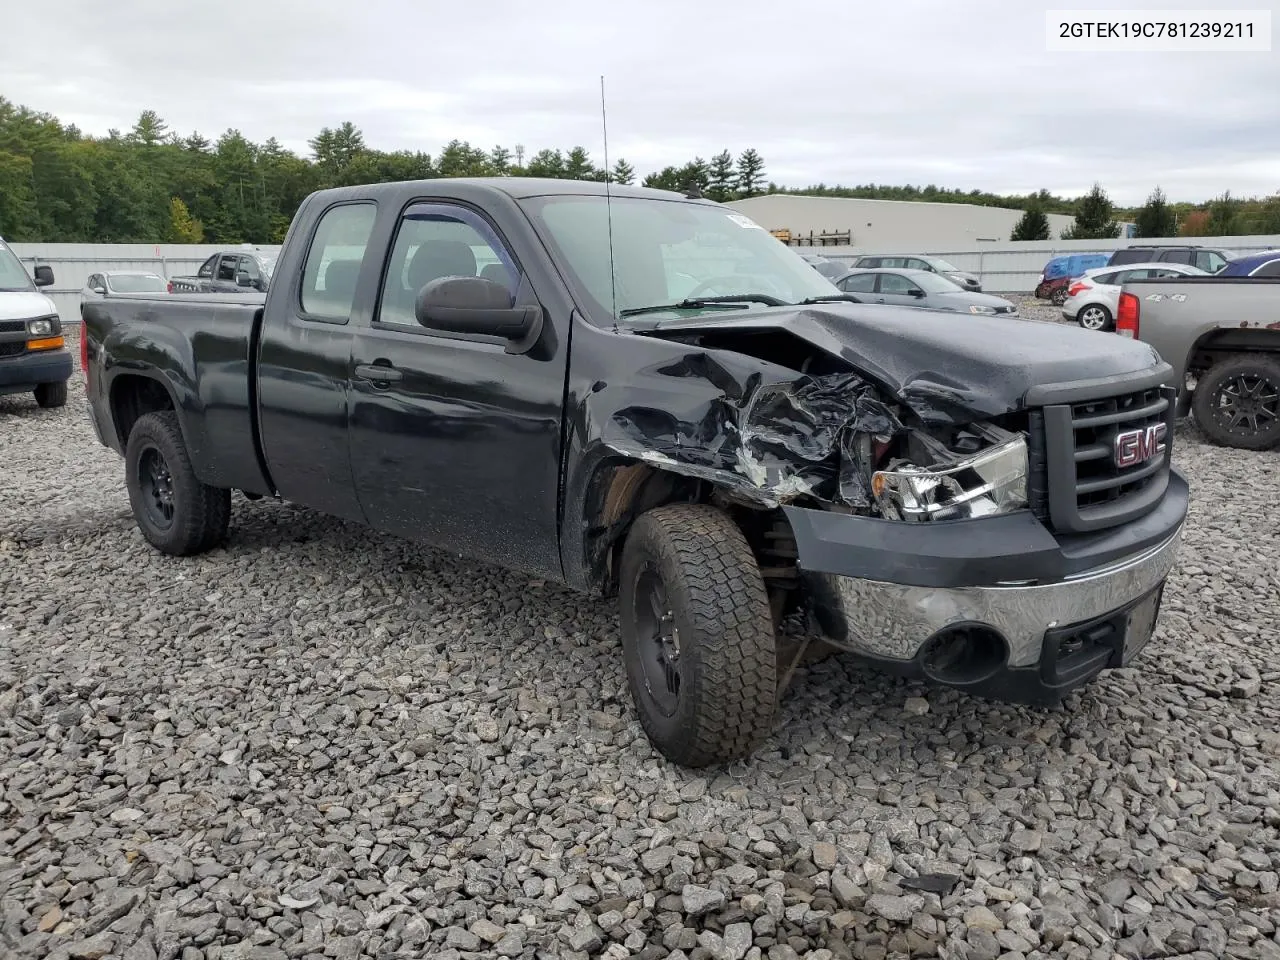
1092 318
1247 404
658 642
156 483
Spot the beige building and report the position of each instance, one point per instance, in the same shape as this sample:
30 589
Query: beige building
889 225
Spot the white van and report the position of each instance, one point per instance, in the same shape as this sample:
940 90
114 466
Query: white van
33 355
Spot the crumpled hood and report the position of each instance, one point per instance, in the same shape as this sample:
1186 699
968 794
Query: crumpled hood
942 365
25 305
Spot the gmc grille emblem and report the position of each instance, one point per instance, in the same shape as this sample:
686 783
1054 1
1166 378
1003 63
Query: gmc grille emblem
1133 447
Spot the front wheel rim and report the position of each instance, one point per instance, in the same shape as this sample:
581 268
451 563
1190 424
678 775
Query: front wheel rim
156 484
1247 404
658 642
1091 318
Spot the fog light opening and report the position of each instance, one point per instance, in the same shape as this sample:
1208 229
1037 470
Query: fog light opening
963 654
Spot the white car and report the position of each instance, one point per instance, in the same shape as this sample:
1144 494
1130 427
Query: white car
1092 296
105 284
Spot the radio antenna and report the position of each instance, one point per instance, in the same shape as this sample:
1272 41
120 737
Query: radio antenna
608 205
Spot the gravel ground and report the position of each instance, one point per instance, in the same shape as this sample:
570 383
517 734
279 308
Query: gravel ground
321 742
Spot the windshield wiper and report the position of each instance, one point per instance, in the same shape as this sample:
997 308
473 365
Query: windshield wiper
829 298
694 303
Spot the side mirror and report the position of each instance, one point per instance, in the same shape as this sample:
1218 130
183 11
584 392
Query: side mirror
243 279
917 292
99 290
476 306
44 275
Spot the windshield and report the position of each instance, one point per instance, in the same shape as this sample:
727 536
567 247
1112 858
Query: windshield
665 251
939 264
12 275
933 283
137 283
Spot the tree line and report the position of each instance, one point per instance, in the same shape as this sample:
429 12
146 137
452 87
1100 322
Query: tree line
152 184
1097 219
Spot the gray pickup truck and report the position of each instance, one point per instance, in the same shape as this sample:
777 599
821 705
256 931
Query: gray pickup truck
229 271
1221 335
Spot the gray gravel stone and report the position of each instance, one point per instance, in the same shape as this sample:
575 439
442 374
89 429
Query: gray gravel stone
318 742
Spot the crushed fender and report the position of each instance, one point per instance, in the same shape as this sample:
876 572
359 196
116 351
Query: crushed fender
769 434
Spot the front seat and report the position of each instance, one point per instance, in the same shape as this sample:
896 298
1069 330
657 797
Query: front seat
439 258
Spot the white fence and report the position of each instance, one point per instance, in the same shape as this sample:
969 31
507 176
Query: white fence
1004 268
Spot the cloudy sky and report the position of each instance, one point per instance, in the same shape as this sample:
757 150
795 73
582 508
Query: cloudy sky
961 94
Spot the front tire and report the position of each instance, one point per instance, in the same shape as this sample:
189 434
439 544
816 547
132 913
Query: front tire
176 513
51 394
1094 317
697 635
1058 297
1237 402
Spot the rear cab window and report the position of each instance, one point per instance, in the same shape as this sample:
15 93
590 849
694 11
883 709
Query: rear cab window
332 267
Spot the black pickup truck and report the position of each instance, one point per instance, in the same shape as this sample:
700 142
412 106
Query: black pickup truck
645 395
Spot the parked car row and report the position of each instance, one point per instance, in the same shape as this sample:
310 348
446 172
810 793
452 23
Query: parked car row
1061 272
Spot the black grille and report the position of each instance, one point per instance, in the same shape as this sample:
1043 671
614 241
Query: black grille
13 326
13 348
1084 487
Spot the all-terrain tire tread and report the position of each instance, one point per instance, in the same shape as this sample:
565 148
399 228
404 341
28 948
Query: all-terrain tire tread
712 568
1202 399
203 511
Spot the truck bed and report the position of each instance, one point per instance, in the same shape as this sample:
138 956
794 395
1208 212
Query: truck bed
202 346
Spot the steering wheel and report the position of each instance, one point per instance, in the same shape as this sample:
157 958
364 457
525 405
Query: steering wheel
734 283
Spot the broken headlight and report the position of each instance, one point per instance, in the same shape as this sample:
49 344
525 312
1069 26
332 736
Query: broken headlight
993 481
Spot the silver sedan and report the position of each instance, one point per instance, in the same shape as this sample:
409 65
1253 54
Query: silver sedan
921 288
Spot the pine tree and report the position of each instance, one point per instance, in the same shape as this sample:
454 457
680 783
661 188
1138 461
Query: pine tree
1093 218
1033 225
623 174
721 179
750 173
1223 214
1156 218
578 166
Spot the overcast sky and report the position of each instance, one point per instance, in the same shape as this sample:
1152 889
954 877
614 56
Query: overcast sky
960 94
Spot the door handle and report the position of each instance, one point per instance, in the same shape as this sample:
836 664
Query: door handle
378 374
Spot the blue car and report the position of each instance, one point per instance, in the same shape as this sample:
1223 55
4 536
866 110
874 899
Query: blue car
1265 264
1060 271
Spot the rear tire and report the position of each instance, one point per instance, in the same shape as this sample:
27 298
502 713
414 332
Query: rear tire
697 635
176 513
51 394
1094 317
1237 402
1058 297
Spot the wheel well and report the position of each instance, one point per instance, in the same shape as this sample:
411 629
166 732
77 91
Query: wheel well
621 490
133 397
1218 344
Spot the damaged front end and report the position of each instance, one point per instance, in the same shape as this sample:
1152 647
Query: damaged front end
898 510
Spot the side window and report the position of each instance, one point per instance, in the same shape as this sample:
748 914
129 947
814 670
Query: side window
895 283
859 283
917 264
333 260
206 269
437 240
1107 279
1269 269
227 267
249 266
1178 256
894 262
1210 261
868 262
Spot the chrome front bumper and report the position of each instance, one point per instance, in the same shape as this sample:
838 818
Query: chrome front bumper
891 621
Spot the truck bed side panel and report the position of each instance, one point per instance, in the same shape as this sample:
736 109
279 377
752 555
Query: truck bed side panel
200 350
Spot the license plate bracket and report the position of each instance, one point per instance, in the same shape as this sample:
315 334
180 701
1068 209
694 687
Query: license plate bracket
1140 624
